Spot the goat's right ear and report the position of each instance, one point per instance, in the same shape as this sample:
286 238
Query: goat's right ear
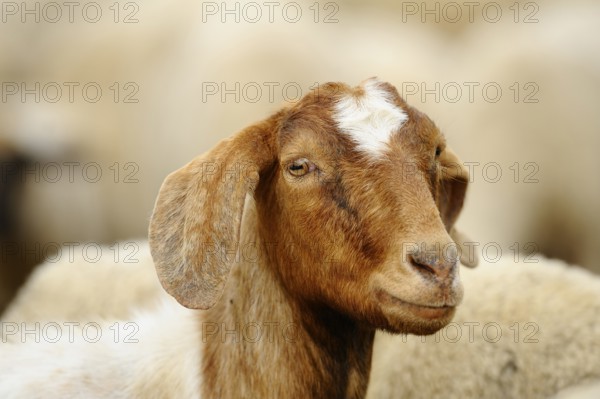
455 179
199 209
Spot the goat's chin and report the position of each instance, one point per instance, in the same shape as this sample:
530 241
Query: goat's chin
402 317
416 326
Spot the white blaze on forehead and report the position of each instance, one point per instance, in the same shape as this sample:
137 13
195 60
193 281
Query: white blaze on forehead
369 119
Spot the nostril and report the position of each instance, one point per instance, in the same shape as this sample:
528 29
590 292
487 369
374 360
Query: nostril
421 267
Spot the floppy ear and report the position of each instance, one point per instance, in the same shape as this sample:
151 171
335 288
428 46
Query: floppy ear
198 212
455 179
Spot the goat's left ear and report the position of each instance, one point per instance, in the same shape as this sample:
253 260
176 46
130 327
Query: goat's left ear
198 213
451 196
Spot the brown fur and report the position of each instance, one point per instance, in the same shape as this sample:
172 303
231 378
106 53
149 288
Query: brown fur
327 248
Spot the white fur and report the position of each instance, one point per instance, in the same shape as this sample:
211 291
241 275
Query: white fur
164 362
584 391
370 119
75 277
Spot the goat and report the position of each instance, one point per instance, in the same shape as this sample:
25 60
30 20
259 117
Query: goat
307 220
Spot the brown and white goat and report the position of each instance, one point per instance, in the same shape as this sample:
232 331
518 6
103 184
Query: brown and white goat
331 217
327 199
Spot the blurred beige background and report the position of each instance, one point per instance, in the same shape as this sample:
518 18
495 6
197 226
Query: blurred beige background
133 90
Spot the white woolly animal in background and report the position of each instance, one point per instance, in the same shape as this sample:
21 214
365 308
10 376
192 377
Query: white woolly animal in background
524 330
120 278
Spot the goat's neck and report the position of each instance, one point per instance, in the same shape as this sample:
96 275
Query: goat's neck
303 350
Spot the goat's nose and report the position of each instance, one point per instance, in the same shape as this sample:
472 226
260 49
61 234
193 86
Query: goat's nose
441 266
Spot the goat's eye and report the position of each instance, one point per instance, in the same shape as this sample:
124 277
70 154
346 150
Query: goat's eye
300 167
438 151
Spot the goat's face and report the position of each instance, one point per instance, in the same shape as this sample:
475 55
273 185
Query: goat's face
355 192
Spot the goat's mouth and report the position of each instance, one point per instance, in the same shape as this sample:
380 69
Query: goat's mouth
421 311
